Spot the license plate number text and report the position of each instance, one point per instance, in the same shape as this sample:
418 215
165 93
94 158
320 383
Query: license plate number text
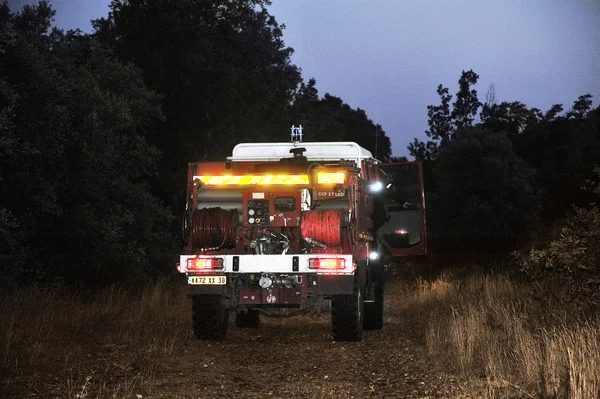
207 280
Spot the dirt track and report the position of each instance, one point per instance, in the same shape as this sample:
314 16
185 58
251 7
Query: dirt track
296 357
124 345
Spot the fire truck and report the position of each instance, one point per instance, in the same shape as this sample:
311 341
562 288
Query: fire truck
297 225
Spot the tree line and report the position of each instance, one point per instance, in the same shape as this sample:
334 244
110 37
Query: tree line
499 174
96 130
518 182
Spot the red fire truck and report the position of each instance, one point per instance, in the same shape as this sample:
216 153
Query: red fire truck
297 225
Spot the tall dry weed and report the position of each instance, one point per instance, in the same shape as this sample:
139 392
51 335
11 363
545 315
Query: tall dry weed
490 328
97 341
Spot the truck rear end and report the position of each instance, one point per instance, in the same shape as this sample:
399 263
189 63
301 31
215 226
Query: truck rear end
283 225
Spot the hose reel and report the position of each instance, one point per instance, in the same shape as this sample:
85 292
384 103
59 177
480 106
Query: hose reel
214 228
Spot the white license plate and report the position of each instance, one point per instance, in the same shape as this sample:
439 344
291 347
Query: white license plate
207 280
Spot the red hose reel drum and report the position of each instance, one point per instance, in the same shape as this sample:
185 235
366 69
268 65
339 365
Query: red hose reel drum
323 226
214 228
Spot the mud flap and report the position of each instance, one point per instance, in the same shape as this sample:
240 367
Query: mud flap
334 285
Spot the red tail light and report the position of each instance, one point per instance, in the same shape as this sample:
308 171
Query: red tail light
204 263
401 232
327 263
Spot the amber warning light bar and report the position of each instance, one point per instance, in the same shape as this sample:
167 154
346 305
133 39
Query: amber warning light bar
273 180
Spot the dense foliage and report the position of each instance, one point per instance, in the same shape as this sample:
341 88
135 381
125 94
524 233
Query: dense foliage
505 176
484 196
498 172
565 260
75 162
96 130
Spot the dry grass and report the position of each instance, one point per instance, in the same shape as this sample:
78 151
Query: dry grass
120 342
123 343
487 326
86 344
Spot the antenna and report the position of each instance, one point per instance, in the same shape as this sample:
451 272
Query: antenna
376 138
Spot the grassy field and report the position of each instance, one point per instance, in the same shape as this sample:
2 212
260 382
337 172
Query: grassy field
53 338
488 326
124 342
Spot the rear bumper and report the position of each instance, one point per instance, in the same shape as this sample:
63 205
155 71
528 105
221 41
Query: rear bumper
243 273
272 264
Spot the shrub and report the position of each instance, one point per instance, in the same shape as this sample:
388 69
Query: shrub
565 263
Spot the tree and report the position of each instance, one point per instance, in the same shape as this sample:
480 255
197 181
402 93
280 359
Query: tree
467 104
74 193
547 155
444 122
330 119
581 107
13 248
511 117
485 194
565 260
490 96
319 119
224 71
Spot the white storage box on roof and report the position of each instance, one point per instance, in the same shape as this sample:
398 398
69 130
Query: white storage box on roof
315 151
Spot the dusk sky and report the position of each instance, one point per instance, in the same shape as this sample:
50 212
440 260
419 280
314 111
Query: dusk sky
387 57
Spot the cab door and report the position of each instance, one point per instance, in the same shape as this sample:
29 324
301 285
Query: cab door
399 199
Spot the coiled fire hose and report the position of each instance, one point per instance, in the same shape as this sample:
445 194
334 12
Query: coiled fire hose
323 226
214 228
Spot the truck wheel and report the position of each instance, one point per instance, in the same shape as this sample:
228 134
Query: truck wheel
248 319
210 317
347 314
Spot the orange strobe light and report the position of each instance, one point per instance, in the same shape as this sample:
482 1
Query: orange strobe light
247 180
331 178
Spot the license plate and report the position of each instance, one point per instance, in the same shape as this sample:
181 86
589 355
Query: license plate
207 280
